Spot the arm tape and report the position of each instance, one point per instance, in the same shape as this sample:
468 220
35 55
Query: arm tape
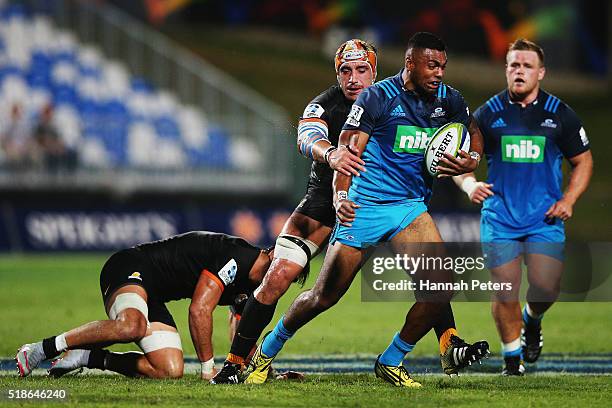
308 134
468 185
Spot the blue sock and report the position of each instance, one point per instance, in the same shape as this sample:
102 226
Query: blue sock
512 353
530 320
394 354
511 349
273 343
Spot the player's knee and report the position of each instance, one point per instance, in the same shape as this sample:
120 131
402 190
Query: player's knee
130 312
297 250
274 286
131 325
170 371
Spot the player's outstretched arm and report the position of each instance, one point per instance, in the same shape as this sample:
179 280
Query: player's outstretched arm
582 169
313 142
355 141
203 302
477 191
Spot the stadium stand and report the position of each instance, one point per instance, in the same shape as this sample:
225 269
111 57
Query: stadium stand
109 117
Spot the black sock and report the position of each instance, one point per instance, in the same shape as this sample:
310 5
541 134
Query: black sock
255 318
445 321
49 347
96 359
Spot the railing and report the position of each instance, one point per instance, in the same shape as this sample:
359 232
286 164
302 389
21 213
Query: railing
243 113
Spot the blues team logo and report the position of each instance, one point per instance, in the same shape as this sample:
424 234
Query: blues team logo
549 123
438 113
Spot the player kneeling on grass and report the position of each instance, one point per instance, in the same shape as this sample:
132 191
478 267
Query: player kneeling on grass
212 269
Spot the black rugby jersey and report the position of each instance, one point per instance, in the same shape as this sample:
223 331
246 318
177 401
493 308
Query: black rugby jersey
332 107
177 262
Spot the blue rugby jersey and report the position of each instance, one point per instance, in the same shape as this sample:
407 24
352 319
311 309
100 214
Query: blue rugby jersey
400 123
524 148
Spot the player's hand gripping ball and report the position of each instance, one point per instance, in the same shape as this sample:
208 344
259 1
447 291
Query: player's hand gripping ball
450 138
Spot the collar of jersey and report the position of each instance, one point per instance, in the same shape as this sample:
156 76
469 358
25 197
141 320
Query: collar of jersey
534 103
398 79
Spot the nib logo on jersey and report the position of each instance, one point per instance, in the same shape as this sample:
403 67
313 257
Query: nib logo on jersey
523 149
412 139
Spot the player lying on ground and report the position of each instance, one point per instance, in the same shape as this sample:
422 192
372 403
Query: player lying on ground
209 268
523 209
387 203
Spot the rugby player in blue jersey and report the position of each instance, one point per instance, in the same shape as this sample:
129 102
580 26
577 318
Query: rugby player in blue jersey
387 203
527 133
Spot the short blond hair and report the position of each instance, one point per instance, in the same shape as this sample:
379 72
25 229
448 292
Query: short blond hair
523 44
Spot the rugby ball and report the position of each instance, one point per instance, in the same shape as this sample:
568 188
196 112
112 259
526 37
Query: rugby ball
450 138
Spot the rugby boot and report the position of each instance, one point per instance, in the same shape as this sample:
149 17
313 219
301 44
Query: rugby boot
229 374
397 376
28 357
460 354
513 366
71 360
532 341
259 367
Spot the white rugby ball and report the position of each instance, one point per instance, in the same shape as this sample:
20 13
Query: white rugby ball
450 138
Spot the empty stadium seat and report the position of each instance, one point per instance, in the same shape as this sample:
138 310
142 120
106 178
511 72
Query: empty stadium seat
110 117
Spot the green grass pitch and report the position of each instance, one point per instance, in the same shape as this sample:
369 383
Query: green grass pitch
44 295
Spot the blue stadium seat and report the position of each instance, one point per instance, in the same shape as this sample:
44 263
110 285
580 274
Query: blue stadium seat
216 152
107 121
13 11
167 127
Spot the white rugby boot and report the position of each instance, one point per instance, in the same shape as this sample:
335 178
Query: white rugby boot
28 357
70 361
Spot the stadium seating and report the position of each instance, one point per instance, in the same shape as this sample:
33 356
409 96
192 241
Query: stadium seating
111 118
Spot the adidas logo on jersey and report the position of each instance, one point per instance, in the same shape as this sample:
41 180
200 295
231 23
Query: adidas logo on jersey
499 123
398 111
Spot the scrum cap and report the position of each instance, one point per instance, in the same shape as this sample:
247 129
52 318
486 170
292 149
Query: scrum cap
356 50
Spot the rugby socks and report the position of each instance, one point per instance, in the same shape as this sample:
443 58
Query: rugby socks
273 343
255 318
512 349
97 359
531 318
445 328
54 346
122 363
395 353
60 342
445 339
